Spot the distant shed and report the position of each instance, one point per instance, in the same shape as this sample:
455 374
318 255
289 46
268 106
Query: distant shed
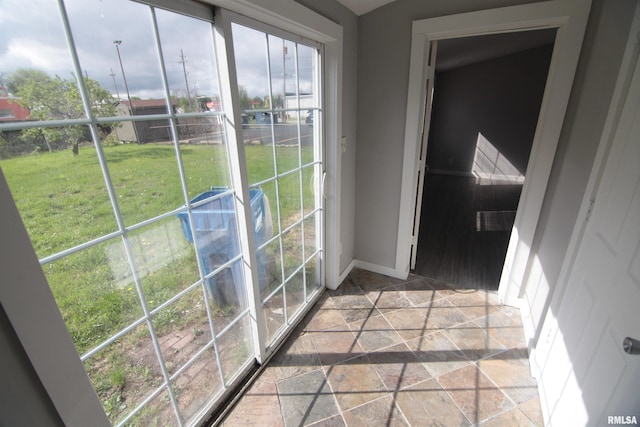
147 130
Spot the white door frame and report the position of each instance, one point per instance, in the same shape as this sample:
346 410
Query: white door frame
543 347
548 351
620 94
295 18
570 19
422 161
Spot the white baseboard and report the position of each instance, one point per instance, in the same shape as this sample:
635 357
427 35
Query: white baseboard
343 275
375 268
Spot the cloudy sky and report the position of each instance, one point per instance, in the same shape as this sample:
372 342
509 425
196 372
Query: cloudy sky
33 37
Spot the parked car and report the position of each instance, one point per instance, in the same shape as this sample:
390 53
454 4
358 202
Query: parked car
309 119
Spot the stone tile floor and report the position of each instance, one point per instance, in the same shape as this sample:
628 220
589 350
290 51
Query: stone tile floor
384 352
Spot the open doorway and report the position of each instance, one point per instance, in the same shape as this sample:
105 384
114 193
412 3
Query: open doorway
486 102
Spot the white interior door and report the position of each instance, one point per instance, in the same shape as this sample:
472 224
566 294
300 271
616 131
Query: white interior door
422 161
587 376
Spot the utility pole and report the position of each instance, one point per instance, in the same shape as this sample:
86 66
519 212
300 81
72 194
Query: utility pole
133 123
113 76
184 69
117 43
284 81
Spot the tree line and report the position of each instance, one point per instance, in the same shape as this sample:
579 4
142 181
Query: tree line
55 98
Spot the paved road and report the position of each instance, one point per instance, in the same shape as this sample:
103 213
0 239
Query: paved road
285 134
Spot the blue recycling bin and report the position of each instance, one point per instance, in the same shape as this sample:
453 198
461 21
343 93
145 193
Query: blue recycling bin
217 238
264 118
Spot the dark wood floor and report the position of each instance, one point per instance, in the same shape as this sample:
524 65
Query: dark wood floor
464 230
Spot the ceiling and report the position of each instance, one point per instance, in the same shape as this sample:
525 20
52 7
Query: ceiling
360 7
453 53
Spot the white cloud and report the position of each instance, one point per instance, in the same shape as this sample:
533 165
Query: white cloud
33 37
39 54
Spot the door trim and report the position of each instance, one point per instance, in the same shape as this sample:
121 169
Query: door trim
620 95
570 18
295 18
630 62
424 142
545 343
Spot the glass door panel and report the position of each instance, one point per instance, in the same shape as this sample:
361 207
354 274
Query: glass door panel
115 43
130 200
190 65
130 206
279 77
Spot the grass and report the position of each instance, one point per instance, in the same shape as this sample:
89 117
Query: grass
63 202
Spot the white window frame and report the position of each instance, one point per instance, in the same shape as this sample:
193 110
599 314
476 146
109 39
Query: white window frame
570 18
295 18
227 70
25 294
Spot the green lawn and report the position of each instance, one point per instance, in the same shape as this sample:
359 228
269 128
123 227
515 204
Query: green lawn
64 202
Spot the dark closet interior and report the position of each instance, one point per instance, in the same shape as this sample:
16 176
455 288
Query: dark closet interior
482 127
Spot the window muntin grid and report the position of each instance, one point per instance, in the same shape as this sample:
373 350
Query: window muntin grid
121 260
44 16
125 235
288 167
105 28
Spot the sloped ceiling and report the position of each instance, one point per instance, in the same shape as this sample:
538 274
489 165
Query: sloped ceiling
455 53
360 7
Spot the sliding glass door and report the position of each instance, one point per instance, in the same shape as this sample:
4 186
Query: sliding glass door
118 156
279 98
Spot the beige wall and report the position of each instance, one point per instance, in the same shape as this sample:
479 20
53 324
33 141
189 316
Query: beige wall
24 400
384 40
334 11
603 47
